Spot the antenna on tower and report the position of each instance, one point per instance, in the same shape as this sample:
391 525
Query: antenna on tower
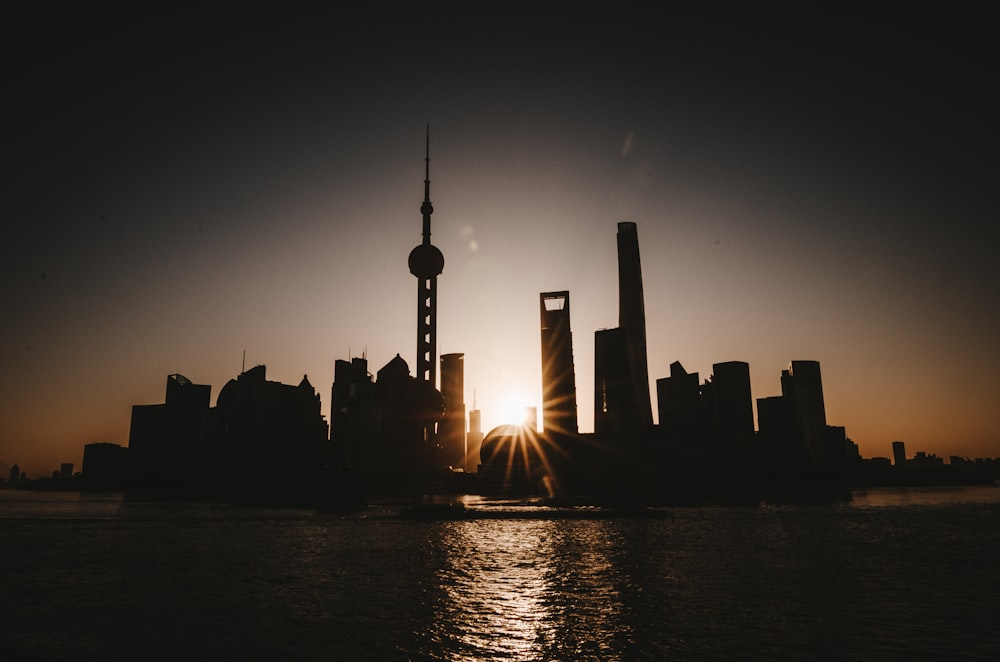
244 367
426 208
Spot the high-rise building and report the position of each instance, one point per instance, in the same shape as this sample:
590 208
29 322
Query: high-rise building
558 372
621 376
531 418
776 423
474 438
614 400
632 320
451 429
105 466
683 415
802 384
165 440
898 453
837 447
732 401
351 384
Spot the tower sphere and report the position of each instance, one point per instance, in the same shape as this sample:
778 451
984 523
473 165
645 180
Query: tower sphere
426 261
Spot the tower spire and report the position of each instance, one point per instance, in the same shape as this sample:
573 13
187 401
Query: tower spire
426 208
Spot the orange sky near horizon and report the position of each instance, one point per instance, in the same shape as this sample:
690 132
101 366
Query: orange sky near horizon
822 194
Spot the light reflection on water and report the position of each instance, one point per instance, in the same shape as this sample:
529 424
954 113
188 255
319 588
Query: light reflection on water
495 589
552 591
880 497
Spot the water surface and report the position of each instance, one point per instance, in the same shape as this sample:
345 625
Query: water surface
895 574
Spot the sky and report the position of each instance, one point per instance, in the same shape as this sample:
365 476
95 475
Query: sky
183 187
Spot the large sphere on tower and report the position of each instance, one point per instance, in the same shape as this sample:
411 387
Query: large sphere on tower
426 261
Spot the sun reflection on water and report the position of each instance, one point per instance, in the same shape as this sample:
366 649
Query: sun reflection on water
497 587
531 589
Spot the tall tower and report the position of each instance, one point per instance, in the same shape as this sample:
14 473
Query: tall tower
621 377
426 263
558 372
632 321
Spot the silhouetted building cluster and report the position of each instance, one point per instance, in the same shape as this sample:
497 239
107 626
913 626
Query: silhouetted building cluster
264 432
924 469
793 425
260 433
396 432
165 440
705 439
379 426
713 416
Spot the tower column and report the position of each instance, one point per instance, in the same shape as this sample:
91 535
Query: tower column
426 262
426 329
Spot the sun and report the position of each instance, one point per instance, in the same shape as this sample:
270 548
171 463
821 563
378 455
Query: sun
512 407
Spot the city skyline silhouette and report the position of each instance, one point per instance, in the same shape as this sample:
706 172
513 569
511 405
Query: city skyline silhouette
802 193
396 434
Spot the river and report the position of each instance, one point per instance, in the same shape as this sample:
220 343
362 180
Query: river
892 574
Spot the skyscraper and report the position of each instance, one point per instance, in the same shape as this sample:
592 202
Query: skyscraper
558 372
622 405
164 442
632 320
732 402
474 438
614 401
351 382
802 384
451 429
683 415
898 453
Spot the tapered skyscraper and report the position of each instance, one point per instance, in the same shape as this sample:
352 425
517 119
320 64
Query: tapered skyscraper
621 376
558 372
426 263
632 320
